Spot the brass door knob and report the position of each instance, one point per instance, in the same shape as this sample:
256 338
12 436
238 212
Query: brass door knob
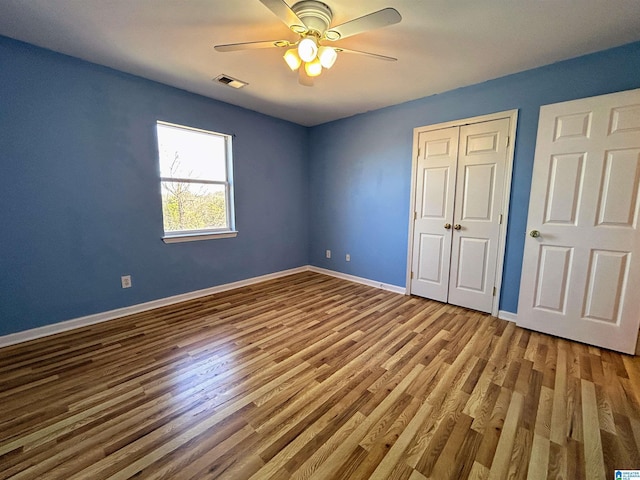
534 233
457 226
447 226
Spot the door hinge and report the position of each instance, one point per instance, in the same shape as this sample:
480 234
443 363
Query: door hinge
500 219
494 291
415 215
418 152
508 140
411 275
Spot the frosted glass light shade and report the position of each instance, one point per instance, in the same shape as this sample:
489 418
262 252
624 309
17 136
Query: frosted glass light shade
327 56
308 49
313 68
292 59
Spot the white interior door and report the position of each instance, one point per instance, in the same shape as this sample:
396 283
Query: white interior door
581 267
435 190
479 191
459 195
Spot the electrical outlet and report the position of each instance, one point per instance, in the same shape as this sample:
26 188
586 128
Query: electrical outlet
125 280
327 254
347 257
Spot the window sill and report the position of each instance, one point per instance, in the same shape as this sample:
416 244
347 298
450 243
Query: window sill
193 237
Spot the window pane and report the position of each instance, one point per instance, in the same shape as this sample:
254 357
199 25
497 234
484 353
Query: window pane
193 206
186 153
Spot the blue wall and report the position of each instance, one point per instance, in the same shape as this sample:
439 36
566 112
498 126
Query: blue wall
80 195
360 167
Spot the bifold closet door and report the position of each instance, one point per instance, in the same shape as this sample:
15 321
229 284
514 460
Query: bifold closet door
459 193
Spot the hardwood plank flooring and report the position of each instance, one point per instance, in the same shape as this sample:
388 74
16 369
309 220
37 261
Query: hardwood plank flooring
312 377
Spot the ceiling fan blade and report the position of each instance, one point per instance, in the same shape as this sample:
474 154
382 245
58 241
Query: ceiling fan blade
284 13
303 78
372 55
379 19
233 47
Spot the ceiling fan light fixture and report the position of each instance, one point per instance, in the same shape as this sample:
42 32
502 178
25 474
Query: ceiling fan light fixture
308 48
313 68
311 20
293 59
327 56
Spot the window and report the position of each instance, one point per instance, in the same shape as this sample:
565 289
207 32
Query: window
196 183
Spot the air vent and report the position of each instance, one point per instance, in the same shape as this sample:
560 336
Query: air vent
230 81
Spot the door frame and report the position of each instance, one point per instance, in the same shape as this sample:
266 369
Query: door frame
512 115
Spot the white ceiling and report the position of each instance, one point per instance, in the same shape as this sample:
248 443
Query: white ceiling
440 45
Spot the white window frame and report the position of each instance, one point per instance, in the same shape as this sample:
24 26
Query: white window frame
178 236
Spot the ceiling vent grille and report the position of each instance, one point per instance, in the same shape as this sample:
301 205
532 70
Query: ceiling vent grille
230 81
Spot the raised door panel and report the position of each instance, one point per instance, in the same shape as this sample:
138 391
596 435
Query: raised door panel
552 278
435 192
604 295
478 194
618 203
432 258
625 119
575 125
472 264
564 188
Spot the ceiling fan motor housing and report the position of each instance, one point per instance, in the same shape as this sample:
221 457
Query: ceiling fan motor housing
315 15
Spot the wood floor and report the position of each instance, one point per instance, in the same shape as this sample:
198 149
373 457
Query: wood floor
313 377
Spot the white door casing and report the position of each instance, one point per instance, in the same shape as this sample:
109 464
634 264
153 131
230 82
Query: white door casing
581 275
461 177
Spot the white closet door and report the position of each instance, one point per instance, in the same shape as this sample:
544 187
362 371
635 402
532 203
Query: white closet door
581 267
479 192
458 204
435 189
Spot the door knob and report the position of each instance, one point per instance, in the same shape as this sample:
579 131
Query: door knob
457 226
447 226
534 233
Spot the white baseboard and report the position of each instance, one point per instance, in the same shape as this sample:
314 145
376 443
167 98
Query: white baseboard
363 281
59 327
32 334
511 317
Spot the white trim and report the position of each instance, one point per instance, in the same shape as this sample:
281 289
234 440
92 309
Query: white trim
192 237
177 126
509 316
64 326
67 325
512 115
363 281
229 231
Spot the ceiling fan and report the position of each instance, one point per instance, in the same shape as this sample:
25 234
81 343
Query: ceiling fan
311 20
